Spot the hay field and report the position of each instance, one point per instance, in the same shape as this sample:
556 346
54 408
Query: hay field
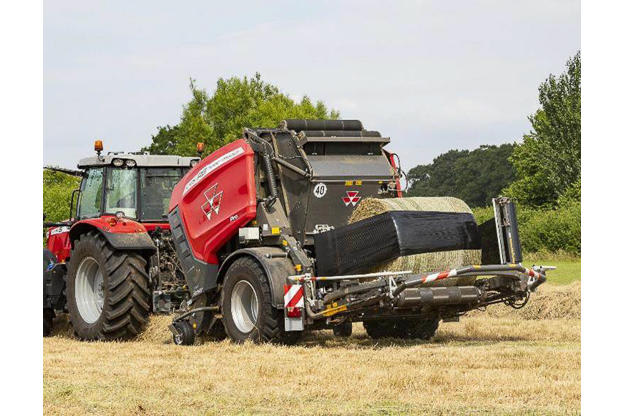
490 362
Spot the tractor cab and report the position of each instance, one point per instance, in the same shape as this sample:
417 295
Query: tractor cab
132 185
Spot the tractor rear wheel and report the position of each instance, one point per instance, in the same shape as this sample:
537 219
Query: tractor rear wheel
108 293
246 306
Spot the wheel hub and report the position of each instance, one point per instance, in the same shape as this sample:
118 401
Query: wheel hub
89 290
244 306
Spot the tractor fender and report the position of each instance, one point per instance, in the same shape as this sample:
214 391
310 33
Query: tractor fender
272 260
123 235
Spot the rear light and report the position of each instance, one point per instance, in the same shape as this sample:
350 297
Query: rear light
293 312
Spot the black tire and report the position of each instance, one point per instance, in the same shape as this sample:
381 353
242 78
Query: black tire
126 292
377 329
405 329
423 329
345 329
48 321
269 325
186 336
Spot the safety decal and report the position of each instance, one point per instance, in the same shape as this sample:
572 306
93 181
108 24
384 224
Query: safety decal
213 201
320 189
352 198
212 166
58 230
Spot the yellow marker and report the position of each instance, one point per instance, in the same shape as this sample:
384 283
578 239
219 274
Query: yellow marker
297 266
275 230
284 243
334 310
358 182
194 325
379 182
348 183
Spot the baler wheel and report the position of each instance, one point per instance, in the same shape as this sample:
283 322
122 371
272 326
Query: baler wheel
418 329
246 306
345 329
380 329
405 329
108 293
187 335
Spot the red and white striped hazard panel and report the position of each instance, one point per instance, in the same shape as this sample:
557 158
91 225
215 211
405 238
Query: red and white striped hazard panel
293 307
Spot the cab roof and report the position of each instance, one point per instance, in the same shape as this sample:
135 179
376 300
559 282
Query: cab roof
141 159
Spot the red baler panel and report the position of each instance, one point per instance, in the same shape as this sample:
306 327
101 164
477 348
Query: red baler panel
216 198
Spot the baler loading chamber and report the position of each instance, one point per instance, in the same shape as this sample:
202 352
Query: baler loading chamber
338 163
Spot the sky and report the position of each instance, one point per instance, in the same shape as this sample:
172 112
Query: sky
431 75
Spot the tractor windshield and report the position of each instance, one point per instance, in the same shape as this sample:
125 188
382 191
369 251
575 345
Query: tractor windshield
156 187
121 192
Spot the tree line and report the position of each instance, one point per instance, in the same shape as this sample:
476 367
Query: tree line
542 170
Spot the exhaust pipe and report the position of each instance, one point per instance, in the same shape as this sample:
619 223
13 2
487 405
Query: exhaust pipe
456 295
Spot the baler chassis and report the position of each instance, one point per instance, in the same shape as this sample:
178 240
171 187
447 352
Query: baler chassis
401 294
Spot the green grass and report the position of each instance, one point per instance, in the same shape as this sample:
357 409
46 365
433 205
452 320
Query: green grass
568 267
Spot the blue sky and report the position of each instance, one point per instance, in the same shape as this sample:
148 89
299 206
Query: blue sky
431 75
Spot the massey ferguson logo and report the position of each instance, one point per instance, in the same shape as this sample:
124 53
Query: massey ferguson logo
213 201
352 198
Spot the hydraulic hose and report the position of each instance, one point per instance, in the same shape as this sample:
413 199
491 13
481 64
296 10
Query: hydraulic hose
270 179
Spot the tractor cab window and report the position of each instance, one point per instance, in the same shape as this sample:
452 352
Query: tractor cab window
156 187
121 192
91 193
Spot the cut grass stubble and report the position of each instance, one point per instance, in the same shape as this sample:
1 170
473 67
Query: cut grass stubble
485 363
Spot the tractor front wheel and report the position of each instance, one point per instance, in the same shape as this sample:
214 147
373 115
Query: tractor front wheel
246 306
108 294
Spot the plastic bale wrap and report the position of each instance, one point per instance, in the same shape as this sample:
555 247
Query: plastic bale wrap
423 262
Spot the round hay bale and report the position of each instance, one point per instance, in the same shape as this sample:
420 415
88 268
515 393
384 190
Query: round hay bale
423 262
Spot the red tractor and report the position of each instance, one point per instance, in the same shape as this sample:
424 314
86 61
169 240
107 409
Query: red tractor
113 262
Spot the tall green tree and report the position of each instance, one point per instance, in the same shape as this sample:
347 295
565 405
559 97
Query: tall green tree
548 162
474 176
218 118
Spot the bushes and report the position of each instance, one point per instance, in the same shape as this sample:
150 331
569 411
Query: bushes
553 230
57 189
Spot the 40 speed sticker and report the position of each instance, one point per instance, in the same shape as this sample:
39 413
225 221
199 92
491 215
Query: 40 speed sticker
320 189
